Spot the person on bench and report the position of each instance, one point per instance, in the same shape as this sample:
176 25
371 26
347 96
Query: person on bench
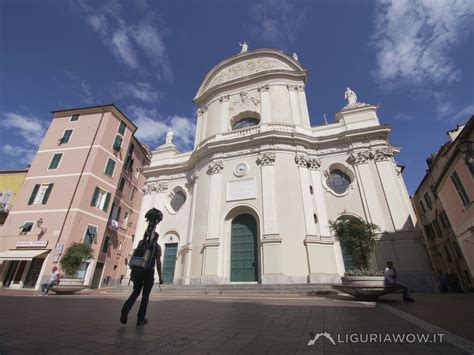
53 280
391 280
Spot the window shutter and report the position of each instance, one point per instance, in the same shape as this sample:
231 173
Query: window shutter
118 213
95 196
67 135
109 170
117 142
107 200
122 127
33 194
55 161
46 194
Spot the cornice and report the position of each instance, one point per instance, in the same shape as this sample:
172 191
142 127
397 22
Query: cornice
276 140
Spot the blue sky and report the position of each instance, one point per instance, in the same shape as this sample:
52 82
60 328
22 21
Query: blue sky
413 58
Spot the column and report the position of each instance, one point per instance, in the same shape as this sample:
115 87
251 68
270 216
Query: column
302 161
224 119
212 243
197 136
186 249
294 104
367 186
303 106
321 211
399 212
271 240
265 102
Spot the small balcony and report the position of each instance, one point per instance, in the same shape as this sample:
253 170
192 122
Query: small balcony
5 207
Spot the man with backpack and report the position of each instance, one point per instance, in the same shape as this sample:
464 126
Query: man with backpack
143 276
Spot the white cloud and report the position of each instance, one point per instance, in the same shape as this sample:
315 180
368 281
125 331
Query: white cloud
30 128
23 155
123 49
131 42
142 91
152 127
415 39
276 21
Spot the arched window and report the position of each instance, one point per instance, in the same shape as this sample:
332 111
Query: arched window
338 181
245 122
178 201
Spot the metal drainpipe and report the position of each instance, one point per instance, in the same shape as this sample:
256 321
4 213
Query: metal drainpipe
79 180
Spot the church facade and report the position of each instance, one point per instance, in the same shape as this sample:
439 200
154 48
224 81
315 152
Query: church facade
253 201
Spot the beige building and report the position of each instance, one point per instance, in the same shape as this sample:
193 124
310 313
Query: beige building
252 202
84 185
444 205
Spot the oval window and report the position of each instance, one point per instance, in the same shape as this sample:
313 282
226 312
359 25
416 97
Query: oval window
246 122
178 201
338 181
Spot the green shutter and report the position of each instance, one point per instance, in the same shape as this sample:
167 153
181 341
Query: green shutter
109 170
122 128
95 196
33 194
118 213
117 142
46 194
107 200
122 184
66 136
55 161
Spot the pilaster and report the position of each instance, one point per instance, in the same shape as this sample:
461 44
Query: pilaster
265 102
294 104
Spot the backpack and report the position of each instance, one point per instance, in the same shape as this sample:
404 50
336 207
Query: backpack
143 256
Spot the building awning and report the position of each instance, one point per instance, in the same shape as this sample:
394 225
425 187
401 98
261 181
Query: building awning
22 254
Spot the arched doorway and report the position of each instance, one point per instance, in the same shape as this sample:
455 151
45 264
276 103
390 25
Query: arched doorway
243 249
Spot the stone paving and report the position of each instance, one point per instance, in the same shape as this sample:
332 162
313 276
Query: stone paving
200 325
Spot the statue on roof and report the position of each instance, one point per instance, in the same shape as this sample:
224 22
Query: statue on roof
169 136
245 47
295 56
350 96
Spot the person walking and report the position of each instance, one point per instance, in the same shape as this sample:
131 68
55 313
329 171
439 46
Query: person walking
391 280
53 280
143 281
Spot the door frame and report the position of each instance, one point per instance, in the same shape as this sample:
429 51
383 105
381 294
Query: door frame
231 214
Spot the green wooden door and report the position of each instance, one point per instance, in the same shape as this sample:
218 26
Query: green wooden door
169 262
244 259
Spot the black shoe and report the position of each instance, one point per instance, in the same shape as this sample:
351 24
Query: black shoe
408 299
142 322
123 317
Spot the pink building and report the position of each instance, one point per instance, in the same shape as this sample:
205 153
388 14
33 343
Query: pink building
444 205
84 186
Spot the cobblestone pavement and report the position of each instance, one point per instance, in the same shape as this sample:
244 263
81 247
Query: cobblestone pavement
200 325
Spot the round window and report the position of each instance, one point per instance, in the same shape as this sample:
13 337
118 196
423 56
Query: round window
338 181
178 201
246 122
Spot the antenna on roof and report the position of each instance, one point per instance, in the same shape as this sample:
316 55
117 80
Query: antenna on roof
325 119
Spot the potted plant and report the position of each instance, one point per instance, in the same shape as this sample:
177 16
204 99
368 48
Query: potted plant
358 240
71 261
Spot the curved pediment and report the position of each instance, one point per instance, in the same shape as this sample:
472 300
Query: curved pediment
249 65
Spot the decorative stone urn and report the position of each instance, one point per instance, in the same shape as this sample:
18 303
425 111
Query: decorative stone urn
363 281
69 286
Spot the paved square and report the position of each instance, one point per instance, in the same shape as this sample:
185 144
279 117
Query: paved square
199 325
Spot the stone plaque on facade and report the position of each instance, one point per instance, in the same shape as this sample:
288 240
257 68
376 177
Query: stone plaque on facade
241 189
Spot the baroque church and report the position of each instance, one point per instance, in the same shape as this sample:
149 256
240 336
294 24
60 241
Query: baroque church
253 201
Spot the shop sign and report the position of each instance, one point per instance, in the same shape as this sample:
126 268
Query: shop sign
32 244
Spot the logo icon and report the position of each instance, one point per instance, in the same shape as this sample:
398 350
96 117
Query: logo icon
316 336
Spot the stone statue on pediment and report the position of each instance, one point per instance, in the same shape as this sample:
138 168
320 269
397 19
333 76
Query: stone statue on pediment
169 136
350 96
245 47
